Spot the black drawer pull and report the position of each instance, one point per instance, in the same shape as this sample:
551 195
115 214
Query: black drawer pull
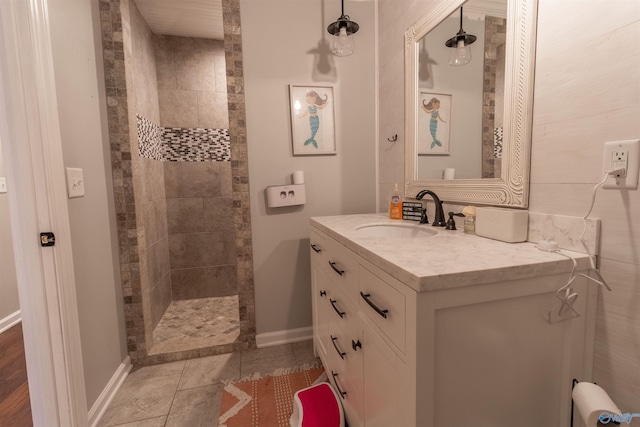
341 354
342 393
333 304
382 313
355 345
323 293
336 269
316 248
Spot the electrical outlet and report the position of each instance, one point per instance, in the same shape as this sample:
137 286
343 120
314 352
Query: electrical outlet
622 155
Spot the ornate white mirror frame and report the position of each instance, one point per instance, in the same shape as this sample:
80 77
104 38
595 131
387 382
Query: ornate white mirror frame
512 188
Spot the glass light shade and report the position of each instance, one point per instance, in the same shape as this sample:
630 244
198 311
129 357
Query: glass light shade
461 54
343 43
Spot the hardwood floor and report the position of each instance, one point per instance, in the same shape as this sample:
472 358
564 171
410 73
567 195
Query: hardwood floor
15 408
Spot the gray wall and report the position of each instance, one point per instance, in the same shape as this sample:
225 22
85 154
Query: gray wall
9 302
580 102
78 68
340 184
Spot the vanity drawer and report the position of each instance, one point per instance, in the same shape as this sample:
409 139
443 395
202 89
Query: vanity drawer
343 268
318 247
383 304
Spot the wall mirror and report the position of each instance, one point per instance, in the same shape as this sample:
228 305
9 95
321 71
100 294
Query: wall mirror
468 127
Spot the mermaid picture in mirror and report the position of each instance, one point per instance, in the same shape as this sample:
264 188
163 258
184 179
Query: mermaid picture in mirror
433 108
434 124
312 120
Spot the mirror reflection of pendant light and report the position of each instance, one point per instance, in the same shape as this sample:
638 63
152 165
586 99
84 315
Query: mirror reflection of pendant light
460 43
343 30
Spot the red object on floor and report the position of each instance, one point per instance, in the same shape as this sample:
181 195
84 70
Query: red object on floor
317 406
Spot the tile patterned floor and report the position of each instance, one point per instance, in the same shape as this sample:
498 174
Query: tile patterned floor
197 323
187 393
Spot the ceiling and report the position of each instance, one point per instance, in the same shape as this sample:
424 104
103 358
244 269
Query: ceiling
187 18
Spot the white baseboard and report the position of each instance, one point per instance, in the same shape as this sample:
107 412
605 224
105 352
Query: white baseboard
9 321
102 403
288 336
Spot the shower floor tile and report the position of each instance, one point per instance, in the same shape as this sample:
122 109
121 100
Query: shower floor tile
197 323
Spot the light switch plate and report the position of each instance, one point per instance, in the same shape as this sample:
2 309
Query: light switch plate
3 184
75 182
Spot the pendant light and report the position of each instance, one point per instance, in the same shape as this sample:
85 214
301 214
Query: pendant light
460 43
343 30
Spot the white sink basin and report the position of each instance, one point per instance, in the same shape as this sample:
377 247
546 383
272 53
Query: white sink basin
402 231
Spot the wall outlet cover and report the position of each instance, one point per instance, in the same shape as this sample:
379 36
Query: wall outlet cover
75 182
622 154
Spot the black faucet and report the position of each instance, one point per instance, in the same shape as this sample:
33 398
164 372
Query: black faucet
438 221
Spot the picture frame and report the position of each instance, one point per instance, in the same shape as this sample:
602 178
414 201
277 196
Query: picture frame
313 127
434 124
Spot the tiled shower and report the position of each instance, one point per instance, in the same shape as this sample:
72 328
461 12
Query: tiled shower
190 295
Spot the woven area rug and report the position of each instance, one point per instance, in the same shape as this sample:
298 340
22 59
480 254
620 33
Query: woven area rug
266 401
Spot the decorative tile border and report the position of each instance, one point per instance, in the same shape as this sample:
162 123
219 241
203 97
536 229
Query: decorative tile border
182 144
150 141
196 145
497 143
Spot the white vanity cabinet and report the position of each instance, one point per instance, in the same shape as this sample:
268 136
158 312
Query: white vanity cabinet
481 355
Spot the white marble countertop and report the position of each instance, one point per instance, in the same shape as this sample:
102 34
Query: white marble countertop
450 259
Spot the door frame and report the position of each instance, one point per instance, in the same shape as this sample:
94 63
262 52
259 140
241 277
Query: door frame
32 148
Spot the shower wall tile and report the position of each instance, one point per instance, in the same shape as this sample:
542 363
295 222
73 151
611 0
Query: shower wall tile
195 68
144 63
202 249
153 172
185 215
212 110
201 179
160 298
226 188
204 282
173 179
218 214
165 66
158 261
178 108
221 74
155 220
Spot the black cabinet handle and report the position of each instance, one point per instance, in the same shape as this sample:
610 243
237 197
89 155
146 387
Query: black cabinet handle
336 269
316 248
342 393
333 304
341 354
382 313
355 345
323 293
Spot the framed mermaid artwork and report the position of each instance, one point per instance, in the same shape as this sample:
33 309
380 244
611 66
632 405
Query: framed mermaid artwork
434 123
313 120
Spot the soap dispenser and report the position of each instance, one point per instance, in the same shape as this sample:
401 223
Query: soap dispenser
395 206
